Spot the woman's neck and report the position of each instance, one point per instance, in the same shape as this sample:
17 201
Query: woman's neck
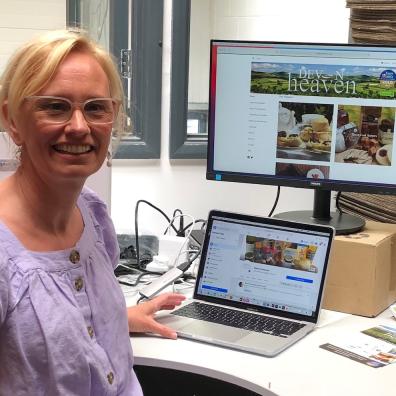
43 217
51 205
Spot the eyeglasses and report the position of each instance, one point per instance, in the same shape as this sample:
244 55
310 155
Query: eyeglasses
58 110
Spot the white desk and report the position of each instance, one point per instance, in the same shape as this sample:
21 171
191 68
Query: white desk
303 369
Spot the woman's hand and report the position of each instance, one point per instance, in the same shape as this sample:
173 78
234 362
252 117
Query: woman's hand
141 317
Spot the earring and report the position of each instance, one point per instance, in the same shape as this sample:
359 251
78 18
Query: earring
109 158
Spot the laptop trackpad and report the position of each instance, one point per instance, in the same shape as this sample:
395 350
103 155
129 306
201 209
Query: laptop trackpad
212 330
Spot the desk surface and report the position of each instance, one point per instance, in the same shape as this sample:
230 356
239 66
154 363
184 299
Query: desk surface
303 369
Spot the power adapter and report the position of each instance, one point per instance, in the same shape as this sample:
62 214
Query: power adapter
159 264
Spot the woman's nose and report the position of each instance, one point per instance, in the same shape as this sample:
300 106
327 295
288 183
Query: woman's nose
78 122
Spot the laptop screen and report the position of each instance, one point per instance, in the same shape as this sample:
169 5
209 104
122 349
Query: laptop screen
268 263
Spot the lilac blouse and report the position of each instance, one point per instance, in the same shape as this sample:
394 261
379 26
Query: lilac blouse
63 322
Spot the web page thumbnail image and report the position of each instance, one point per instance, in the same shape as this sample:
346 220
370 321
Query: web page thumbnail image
302 170
304 131
365 135
279 253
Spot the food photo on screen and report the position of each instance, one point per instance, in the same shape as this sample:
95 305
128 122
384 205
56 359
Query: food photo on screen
304 131
302 170
365 135
279 253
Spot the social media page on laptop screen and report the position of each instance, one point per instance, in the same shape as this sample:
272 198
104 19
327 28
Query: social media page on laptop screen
268 266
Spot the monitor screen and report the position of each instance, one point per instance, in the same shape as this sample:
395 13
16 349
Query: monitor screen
302 115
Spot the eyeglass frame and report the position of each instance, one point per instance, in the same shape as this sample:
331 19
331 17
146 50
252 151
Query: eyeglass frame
78 105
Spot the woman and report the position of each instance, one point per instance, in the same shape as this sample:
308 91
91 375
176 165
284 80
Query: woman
63 320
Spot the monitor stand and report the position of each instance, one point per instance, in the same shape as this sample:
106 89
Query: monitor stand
343 223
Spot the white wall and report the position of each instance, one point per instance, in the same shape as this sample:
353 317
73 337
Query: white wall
181 183
267 20
20 20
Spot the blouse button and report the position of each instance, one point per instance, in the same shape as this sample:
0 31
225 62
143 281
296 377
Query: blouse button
110 377
74 256
78 284
91 334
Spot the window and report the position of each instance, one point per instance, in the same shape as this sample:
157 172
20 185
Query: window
132 31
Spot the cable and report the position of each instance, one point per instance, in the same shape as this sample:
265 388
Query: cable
275 203
143 273
196 222
163 281
337 202
181 223
138 279
175 217
188 234
124 266
197 253
174 275
138 261
181 232
139 258
190 260
183 285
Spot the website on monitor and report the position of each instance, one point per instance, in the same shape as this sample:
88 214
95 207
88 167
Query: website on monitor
320 112
269 267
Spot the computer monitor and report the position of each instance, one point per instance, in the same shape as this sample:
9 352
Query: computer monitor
304 115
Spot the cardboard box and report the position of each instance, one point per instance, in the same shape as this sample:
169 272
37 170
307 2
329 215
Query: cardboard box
361 277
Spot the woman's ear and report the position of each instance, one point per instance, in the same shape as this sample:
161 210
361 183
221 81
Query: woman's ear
9 124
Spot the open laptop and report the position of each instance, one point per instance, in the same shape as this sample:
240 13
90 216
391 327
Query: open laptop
259 285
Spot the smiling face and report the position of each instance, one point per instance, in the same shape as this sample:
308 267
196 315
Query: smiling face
73 150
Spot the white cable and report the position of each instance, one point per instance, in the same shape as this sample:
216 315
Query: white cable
177 216
189 251
186 238
183 285
193 262
124 266
194 269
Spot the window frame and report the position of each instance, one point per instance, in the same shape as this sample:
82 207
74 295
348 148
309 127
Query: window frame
181 144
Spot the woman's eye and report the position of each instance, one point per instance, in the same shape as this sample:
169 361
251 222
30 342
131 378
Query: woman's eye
92 107
100 106
54 106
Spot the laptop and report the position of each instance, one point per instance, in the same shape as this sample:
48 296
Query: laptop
259 284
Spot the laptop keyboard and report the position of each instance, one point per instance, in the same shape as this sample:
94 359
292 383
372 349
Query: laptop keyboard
239 319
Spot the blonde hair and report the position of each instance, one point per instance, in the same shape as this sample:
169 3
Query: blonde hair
34 64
